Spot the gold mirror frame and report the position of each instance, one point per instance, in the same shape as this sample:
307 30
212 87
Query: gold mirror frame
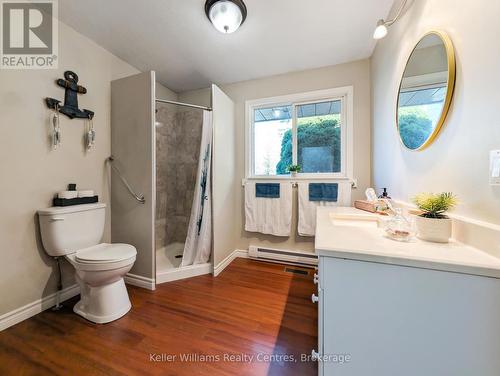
450 54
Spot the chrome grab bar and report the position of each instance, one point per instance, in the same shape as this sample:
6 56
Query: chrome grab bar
140 198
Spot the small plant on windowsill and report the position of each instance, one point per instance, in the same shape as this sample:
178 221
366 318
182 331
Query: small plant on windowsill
432 223
294 169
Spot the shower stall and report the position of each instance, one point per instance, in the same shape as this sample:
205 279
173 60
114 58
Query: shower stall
183 197
163 154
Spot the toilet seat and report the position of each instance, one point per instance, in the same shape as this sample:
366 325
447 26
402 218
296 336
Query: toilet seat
103 256
104 253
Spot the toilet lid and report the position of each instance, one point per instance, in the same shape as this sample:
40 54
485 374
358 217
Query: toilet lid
106 253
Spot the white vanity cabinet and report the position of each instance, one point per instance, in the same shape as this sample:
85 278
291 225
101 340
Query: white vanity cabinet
386 315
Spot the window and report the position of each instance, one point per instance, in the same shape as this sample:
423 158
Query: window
273 136
311 130
318 137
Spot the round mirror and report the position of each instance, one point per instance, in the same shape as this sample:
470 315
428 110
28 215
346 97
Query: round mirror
426 90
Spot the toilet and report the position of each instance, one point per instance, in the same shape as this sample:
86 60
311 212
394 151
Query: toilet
75 232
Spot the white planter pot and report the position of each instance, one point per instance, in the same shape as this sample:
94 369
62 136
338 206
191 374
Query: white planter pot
293 174
433 229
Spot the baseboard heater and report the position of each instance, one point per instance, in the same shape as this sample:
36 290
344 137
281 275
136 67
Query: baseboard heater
283 256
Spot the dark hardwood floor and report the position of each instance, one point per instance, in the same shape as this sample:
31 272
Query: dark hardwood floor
252 309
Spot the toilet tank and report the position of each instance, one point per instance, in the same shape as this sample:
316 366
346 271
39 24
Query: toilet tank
67 229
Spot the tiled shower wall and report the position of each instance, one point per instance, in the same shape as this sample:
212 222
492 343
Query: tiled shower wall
177 151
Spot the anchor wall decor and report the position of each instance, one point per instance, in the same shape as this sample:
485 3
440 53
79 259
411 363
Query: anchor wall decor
72 89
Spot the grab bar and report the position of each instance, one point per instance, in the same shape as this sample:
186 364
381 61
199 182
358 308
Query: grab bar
140 198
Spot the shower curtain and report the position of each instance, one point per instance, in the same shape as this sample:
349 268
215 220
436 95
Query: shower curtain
198 246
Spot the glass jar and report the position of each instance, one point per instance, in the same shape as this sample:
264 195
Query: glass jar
399 227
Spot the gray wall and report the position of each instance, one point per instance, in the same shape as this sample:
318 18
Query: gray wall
177 152
355 73
31 172
458 160
165 183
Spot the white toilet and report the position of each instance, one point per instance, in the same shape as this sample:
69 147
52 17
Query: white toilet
75 232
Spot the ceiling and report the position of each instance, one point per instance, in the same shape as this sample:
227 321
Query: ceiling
175 39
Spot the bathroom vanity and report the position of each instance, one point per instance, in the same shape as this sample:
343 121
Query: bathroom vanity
402 308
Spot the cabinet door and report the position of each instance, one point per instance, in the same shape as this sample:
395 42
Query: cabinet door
320 313
395 320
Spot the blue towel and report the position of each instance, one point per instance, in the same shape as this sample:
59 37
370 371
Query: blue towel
323 191
267 190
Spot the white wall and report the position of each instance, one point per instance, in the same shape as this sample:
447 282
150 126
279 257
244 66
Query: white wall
31 172
458 159
355 73
202 97
224 186
163 92
133 147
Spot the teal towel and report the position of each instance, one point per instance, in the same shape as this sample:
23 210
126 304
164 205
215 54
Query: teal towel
267 190
323 192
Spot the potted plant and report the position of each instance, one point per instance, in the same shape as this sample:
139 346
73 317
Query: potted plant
294 169
432 223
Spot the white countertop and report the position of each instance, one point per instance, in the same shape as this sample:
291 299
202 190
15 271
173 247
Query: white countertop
371 244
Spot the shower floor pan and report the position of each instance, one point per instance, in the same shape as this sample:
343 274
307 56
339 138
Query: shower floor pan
168 265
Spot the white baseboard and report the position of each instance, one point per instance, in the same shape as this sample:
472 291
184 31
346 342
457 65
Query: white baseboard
29 310
230 258
184 272
139 281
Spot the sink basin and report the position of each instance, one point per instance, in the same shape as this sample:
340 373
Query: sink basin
357 220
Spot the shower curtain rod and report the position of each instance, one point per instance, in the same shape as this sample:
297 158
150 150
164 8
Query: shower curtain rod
183 104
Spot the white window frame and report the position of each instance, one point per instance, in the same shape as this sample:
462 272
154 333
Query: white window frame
344 94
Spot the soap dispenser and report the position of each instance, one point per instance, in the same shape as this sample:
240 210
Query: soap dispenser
384 195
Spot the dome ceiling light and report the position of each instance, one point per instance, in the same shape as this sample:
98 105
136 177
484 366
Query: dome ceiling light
226 15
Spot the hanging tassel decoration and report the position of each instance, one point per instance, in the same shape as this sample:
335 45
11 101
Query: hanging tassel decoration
56 129
90 134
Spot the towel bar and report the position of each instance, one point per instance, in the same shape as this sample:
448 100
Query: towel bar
354 183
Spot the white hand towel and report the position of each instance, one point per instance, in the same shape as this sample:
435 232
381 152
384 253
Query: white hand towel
86 193
307 209
269 215
67 194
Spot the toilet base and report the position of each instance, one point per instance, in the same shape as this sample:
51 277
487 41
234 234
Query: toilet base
103 304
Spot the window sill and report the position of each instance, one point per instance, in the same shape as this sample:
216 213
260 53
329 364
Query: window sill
300 177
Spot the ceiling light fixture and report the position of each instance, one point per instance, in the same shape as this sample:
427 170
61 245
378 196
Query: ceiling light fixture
381 29
226 15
